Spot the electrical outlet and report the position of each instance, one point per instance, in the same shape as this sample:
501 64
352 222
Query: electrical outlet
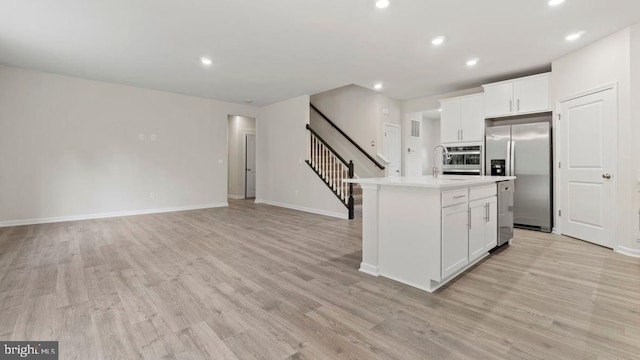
153 137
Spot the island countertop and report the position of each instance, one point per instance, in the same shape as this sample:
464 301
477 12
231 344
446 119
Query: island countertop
427 181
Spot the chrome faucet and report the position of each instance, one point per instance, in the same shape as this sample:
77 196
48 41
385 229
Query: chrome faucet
435 157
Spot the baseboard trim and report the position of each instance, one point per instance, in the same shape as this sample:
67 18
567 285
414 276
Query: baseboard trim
236 197
628 251
369 269
108 215
302 208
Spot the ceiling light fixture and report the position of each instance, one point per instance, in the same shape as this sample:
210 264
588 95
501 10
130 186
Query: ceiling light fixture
555 2
472 62
381 4
378 86
438 40
206 61
575 36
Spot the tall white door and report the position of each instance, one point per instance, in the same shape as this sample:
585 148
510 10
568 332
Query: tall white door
413 136
250 166
588 126
392 149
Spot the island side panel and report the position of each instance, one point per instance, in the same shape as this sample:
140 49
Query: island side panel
409 234
370 216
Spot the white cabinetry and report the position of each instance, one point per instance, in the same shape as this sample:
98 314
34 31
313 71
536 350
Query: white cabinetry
491 225
518 96
469 226
462 119
483 227
455 230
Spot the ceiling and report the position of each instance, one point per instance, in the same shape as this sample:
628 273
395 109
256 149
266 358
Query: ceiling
269 51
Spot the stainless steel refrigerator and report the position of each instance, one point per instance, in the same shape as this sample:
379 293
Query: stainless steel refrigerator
524 151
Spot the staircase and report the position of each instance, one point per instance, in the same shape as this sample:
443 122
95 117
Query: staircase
333 168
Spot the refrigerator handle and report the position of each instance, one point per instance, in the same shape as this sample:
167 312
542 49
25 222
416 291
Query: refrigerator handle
512 165
508 162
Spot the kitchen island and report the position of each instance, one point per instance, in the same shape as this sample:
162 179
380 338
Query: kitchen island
424 231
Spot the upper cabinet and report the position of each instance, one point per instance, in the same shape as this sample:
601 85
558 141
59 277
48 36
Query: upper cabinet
518 96
462 119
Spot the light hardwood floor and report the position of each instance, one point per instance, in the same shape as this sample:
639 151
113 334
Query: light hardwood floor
254 281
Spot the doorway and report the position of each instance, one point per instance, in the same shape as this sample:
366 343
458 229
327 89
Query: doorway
588 153
239 127
250 166
430 139
392 149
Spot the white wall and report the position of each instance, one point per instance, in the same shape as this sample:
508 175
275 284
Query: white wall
635 121
284 178
359 113
70 148
238 127
605 62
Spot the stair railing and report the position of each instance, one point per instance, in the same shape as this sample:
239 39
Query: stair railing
331 168
375 162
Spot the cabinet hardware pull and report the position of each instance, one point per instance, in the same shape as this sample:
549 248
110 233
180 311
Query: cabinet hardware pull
510 105
459 196
488 212
461 134
469 217
518 104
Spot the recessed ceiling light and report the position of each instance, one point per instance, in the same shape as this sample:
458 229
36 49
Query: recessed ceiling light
206 61
440 110
438 41
248 101
381 4
555 2
472 62
377 86
575 36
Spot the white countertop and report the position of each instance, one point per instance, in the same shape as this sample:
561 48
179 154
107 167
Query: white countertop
442 181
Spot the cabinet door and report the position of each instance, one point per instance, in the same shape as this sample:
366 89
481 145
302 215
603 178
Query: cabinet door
478 218
455 244
498 99
450 121
532 94
472 118
491 226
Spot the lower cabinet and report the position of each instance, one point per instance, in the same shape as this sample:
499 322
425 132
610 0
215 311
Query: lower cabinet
483 228
469 230
455 245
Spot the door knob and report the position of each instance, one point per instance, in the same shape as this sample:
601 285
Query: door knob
606 176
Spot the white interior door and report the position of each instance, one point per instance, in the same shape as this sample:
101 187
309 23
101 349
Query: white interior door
250 166
413 160
588 126
392 149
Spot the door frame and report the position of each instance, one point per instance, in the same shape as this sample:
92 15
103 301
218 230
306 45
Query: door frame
244 150
558 172
384 146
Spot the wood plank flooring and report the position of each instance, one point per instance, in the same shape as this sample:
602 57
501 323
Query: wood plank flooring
253 281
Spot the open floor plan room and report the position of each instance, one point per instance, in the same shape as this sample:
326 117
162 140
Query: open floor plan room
254 281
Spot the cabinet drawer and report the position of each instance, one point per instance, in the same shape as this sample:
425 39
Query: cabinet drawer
480 192
454 197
